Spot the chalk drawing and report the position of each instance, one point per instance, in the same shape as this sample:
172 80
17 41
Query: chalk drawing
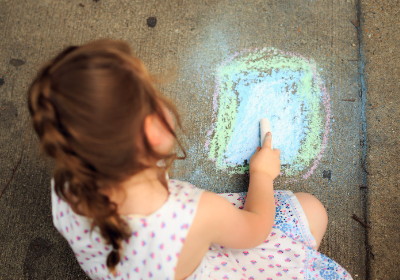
281 86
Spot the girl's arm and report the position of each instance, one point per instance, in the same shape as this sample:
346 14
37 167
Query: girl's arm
234 228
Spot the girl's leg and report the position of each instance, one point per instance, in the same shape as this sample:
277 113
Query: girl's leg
316 215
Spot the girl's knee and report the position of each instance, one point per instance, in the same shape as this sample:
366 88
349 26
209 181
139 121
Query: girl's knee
314 209
316 214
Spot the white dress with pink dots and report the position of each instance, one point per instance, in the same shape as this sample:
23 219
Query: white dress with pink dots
152 251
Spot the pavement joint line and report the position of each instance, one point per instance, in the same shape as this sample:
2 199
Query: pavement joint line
358 24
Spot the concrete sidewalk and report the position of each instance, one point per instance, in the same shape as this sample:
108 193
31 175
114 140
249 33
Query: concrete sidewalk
380 34
348 47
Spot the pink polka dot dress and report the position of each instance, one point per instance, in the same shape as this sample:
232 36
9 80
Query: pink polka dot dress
153 250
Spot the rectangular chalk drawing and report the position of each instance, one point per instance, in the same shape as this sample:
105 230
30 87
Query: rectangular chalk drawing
281 86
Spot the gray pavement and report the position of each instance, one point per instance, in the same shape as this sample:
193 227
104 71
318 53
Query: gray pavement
380 37
346 48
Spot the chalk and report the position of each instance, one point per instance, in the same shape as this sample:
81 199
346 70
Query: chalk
265 127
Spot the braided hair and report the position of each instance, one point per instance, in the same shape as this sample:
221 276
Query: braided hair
88 106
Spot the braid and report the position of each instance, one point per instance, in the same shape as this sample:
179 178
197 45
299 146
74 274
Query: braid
82 191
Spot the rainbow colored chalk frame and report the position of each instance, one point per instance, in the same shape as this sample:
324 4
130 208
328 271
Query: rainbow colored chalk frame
281 86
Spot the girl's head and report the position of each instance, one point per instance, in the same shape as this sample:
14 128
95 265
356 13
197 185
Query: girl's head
98 114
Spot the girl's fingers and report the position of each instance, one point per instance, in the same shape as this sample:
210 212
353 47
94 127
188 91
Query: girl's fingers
268 140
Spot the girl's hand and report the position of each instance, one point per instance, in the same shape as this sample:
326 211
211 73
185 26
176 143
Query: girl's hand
266 160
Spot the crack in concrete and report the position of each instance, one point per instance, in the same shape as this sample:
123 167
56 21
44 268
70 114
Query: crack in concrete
364 144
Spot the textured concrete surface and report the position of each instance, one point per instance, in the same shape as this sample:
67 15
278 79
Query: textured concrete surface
380 36
186 44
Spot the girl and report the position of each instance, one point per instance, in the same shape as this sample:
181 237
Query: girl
112 135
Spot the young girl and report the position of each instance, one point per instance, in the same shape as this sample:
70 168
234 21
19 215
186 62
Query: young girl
112 136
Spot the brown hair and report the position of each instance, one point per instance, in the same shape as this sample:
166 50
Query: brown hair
88 106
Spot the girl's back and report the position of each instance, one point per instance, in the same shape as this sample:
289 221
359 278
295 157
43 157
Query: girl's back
157 239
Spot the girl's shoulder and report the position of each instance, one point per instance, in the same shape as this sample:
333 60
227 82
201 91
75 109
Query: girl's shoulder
176 184
183 189
180 185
